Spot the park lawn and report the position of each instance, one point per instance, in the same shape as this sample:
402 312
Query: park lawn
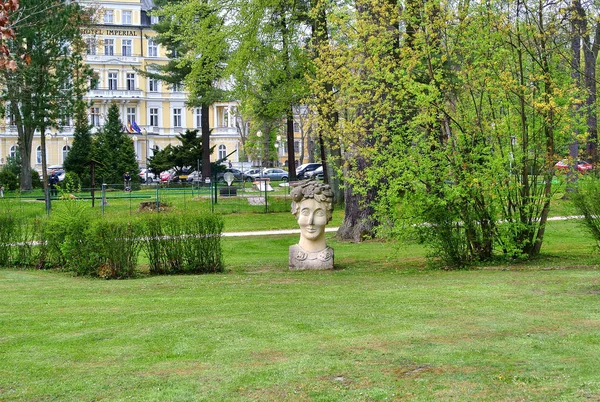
382 326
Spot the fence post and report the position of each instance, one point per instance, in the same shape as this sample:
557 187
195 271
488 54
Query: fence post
157 202
103 197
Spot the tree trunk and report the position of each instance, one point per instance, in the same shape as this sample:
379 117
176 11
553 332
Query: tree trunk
290 145
206 168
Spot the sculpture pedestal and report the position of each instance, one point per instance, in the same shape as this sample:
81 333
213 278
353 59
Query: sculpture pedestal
317 260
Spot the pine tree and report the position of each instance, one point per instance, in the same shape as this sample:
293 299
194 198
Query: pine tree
114 150
80 153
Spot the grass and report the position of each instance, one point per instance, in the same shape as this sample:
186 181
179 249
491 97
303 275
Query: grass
382 326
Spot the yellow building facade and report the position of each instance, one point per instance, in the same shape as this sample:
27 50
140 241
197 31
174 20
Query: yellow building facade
119 44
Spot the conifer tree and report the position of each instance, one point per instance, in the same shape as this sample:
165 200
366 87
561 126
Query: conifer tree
80 153
114 150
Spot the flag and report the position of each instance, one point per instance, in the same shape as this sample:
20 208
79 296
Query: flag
136 128
129 128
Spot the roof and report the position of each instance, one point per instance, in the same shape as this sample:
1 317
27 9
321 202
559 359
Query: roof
147 5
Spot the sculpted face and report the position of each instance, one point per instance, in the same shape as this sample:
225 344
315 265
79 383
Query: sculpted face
312 218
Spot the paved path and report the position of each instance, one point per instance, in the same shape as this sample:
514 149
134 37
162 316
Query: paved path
269 232
334 229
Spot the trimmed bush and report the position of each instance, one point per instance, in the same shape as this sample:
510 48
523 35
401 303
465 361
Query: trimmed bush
117 248
176 244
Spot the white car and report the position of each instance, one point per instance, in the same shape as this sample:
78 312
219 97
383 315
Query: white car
147 179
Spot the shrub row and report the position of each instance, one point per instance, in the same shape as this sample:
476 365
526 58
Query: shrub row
84 244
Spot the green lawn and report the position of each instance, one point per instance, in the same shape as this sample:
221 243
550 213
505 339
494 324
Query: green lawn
382 326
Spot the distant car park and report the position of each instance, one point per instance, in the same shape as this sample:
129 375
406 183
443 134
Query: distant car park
272 174
582 166
315 174
151 177
302 170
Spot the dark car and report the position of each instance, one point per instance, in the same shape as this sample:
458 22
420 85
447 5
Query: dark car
305 168
237 174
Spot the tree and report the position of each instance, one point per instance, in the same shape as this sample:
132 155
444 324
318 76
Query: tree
114 149
270 63
188 154
194 33
40 91
79 155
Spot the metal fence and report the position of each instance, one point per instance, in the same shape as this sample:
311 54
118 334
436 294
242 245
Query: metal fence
240 196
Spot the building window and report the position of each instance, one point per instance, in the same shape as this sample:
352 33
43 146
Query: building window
176 87
152 85
296 146
153 116
126 47
198 117
296 127
177 117
65 151
130 81
38 155
153 19
95 116
109 47
126 18
90 46
112 81
13 151
130 114
222 151
108 16
152 48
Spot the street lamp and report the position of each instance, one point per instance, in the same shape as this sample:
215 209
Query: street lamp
145 134
259 134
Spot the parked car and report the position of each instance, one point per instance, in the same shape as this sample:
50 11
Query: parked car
194 177
253 171
167 175
315 174
237 174
147 178
273 174
582 166
305 168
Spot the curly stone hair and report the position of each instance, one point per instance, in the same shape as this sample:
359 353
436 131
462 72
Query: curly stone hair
321 192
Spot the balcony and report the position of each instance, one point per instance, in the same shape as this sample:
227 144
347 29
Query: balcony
224 132
120 58
102 93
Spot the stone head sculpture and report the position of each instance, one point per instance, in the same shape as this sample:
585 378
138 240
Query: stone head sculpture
312 204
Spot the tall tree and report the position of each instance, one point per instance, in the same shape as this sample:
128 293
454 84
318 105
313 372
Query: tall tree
585 46
50 69
194 33
270 62
78 158
114 149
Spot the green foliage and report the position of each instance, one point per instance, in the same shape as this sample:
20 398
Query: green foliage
185 154
587 203
36 181
71 183
8 179
51 73
114 149
17 241
79 155
176 244
453 125
117 246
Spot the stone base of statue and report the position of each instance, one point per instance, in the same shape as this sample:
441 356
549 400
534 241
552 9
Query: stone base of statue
316 260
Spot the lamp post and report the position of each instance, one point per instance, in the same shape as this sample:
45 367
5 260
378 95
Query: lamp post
145 134
259 134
